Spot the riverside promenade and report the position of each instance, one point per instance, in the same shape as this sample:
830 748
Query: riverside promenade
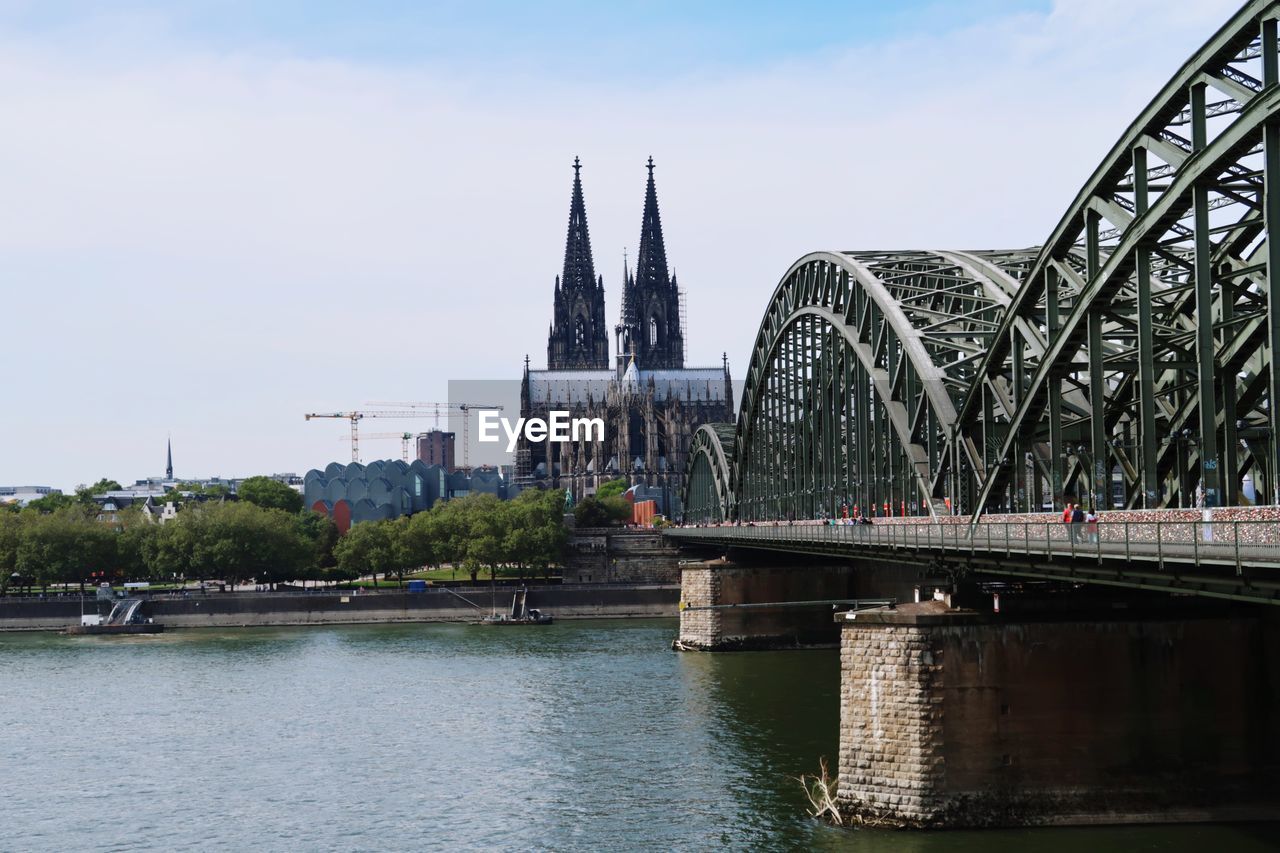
334 607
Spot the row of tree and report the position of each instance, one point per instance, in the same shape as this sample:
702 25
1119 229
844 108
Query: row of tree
232 541
472 533
265 537
263 491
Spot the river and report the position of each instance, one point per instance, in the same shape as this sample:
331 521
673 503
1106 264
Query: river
577 736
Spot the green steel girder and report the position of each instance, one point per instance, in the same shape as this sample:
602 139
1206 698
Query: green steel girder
862 350
1125 350
708 494
1197 315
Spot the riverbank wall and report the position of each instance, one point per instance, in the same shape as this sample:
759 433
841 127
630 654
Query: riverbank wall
252 609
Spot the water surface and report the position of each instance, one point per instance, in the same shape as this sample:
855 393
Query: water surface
576 736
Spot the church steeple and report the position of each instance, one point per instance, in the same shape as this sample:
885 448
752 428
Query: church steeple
168 467
654 295
579 268
578 338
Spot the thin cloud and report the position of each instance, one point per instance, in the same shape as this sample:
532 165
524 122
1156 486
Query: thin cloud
214 243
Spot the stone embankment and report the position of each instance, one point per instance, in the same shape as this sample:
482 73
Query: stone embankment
621 555
224 610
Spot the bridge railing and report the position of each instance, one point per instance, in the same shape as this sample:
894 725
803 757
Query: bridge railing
1224 543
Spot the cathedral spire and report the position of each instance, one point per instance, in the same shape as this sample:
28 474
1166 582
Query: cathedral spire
579 269
578 339
651 262
654 296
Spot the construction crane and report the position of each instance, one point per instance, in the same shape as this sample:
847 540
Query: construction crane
412 410
450 410
406 440
356 417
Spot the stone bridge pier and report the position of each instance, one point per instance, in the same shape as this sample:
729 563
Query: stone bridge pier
954 718
745 602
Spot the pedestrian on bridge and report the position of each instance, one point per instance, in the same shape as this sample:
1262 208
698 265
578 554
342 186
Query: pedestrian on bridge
1077 522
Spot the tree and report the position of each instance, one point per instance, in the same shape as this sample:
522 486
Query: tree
234 542
323 535
418 539
64 547
601 512
134 533
369 548
178 495
84 494
10 535
269 494
51 502
536 536
613 488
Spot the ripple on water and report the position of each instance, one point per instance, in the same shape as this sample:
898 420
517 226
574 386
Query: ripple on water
579 736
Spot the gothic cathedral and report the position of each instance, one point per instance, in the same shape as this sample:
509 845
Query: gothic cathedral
649 401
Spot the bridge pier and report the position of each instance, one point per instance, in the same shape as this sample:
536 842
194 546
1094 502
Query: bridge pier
952 718
726 605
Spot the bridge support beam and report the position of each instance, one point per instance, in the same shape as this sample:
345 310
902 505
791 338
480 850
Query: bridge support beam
952 719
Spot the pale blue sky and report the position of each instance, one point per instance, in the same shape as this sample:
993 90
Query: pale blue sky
219 216
615 39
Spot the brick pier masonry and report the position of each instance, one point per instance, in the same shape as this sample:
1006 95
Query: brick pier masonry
952 718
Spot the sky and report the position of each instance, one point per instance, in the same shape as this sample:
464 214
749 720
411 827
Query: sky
218 216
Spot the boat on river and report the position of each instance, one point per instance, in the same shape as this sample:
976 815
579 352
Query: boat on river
126 617
521 613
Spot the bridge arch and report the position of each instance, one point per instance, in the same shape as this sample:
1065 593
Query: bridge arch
1158 295
708 495
855 377
1127 362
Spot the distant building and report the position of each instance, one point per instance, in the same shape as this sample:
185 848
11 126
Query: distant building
353 492
650 403
436 447
23 495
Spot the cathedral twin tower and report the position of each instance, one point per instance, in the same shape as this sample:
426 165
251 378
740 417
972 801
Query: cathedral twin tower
650 402
649 332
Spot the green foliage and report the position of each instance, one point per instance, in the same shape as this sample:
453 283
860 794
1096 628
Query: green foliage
11 525
480 531
613 488
602 512
84 494
180 492
323 535
134 540
64 547
233 542
50 503
63 542
269 494
372 547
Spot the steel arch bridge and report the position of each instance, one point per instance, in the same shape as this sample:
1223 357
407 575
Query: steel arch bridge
1126 362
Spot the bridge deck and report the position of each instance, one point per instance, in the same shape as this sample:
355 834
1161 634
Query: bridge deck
1226 559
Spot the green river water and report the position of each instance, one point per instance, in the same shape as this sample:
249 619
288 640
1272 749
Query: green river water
576 736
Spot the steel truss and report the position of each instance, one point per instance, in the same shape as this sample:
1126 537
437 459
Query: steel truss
1124 363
